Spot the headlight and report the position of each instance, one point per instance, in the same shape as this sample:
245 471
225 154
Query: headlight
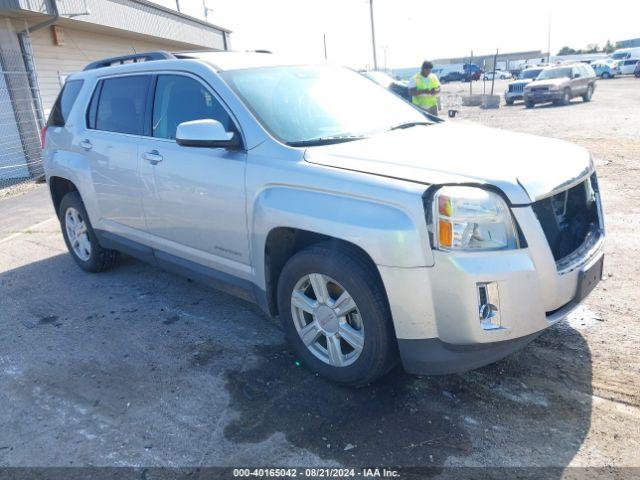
471 219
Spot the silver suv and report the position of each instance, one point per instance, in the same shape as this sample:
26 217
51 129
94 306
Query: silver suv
329 202
559 84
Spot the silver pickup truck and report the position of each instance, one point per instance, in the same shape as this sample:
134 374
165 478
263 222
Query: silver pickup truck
374 231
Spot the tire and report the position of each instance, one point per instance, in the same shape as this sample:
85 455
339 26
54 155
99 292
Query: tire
342 270
605 75
529 104
509 102
566 97
589 93
84 248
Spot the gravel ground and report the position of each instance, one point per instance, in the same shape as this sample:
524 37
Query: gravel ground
138 367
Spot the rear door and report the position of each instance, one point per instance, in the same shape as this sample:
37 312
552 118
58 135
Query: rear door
194 197
115 124
628 66
577 81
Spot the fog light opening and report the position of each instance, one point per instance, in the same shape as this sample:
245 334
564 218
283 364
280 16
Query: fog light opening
489 305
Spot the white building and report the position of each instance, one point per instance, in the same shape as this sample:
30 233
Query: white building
43 41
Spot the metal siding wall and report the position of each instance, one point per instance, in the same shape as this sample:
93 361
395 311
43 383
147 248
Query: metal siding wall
81 47
144 19
132 16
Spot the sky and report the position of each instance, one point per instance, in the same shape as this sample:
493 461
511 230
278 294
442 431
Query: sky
409 31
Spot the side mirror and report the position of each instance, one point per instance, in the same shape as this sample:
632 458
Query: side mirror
205 133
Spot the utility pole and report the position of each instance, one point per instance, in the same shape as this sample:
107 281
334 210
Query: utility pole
178 5
549 41
373 37
206 10
324 38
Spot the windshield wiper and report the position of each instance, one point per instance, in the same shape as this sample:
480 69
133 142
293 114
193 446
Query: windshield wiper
315 142
408 125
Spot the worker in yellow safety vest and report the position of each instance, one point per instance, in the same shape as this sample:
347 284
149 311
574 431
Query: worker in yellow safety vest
424 88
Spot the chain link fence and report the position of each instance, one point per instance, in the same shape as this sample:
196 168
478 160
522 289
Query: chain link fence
20 150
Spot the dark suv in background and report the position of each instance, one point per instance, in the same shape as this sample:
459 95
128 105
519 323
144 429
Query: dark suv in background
465 73
515 90
559 84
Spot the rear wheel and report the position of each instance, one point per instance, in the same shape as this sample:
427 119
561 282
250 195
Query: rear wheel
588 94
606 75
80 238
335 314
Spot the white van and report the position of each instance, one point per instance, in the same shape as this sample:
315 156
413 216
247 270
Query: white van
626 54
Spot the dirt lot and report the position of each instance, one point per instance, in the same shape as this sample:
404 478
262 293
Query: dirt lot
143 368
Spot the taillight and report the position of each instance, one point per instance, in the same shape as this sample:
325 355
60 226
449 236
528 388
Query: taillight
43 136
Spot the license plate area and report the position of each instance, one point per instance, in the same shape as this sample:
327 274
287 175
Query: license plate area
589 278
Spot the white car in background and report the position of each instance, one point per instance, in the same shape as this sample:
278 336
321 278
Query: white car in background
628 66
499 74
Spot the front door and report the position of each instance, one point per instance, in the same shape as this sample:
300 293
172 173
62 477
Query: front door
193 197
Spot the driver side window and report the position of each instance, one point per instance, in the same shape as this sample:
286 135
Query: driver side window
180 99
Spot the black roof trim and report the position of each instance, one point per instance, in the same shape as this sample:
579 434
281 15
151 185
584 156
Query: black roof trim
135 58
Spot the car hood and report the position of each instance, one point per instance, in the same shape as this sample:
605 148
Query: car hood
552 82
524 167
523 81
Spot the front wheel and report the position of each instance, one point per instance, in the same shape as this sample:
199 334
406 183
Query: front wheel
588 94
335 313
80 238
529 104
566 97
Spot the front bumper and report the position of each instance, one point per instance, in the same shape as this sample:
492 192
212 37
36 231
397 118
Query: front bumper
513 95
432 356
542 96
436 309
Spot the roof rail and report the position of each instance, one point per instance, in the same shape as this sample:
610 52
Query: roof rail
135 58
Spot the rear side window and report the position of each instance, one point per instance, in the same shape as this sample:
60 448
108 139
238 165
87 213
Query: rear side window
118 104
181 99
64 103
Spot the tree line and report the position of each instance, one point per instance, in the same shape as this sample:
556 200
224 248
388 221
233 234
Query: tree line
591 48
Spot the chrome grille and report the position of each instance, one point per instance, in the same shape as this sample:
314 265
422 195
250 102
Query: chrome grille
518 87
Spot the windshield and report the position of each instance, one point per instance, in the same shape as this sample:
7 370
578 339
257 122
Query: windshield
530 73
555 73
620 55
301 103
380 78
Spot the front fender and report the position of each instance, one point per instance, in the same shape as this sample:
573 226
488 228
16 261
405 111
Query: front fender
387 233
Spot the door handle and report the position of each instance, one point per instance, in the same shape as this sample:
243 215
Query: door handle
86 144
153 157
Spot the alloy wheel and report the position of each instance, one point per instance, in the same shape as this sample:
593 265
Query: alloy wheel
327 320
77 234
